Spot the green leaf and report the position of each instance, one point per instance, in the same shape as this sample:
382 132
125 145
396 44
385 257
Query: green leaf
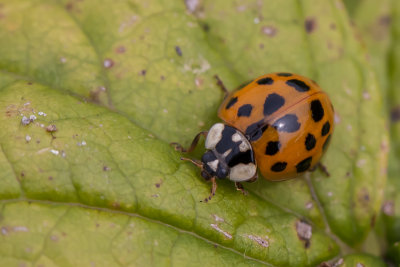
379 27
362 259
120 81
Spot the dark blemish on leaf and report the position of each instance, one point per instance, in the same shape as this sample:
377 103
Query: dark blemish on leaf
30 83
50 178
108 63
395 114
178 51
69 6
205 27
332 26
269 31
310 24
97 225
22 174
162 77
143 72
385 20
373 220
215 246
158 185
94 95
261 46
388 208
304 232
51 128
120 49
106 168
116 205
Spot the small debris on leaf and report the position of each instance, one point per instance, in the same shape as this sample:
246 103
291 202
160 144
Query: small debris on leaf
25 121
51 128
304 232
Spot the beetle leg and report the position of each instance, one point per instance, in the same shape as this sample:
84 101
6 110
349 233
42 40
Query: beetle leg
180 148
221 85
213 189
240 188
195 162
322 168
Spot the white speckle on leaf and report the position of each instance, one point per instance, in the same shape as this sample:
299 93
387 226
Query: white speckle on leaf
197 67
361 163
191 5
32 118
226 234
63 154
28 138
217 218
83 143
359 265
349 127
330 194
25 120
41 113
108 63
63 60
55 152
201 123
256 20
241 8
42 125
4 231
128 23
268 30
165 110
366 95
337 118
388 208
20 229
27 103
309 205
259 240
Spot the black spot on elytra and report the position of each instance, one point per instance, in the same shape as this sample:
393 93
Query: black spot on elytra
278 167
288 123
255 131
325 128
245 110
231 102
317 111
310 142
298 85
284 74
265 81
303 165
272 148
326 143
272 103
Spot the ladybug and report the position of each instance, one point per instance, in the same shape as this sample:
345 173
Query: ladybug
280 123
